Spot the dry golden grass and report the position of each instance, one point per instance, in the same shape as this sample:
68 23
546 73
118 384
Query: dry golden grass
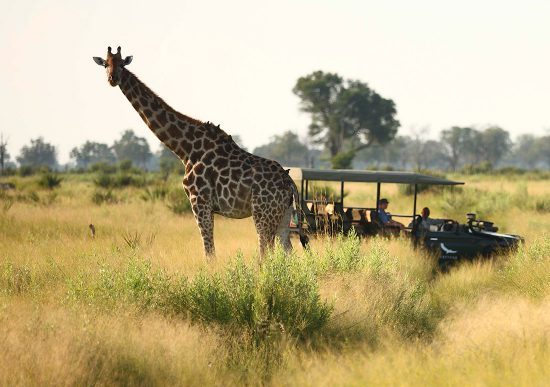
395 320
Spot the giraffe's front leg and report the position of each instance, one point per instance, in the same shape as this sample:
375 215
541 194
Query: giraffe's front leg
205 220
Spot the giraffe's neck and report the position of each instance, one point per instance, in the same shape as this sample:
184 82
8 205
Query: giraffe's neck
170 126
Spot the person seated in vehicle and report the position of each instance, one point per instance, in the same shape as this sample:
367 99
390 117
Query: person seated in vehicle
424 222
385 217
367 228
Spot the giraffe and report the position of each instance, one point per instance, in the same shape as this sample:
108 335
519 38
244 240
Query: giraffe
220 177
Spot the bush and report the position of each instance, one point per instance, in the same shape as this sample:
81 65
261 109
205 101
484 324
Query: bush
103 180
542 205
26 170
103 167
50 180
510 171
342 256
178 202
483 167
283 293
125 165
158 192
104 196
408 189
120 180
526 271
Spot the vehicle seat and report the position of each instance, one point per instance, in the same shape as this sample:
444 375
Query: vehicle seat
309 216
375 218
385 230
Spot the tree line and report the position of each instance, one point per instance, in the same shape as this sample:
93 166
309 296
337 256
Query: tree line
457 149
352 126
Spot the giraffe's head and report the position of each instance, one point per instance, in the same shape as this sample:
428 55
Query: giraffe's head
114 65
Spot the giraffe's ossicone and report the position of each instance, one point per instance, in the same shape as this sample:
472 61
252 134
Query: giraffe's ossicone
220 177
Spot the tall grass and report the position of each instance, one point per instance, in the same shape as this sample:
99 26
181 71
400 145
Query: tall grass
139 305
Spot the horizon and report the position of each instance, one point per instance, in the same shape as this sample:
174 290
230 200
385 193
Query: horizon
443 65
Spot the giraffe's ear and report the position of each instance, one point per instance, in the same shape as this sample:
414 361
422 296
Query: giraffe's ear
128 60
99 61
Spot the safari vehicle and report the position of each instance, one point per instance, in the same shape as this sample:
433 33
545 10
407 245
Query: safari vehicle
324 213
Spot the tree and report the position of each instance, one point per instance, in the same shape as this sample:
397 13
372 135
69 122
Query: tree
168 161
495 144
346 115
4 155
38 154
460 146
133 148
544 150
525 152
286 149
91 153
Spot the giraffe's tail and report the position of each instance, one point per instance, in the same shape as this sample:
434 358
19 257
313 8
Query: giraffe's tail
296 207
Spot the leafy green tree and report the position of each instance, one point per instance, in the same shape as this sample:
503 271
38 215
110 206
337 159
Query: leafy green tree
38 154
460 145
525 152
92 153
495 144
286 148
133 148
394 154
346 115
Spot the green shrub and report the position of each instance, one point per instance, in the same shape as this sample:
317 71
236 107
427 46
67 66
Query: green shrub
125 165
104 180
527 271
288 295
104 196
282 293
25 170
483 167
178 202
541 205
158 192
344 255
103 167
408 189
119 180
49 180
510 171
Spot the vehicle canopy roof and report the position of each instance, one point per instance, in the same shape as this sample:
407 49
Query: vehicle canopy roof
349 175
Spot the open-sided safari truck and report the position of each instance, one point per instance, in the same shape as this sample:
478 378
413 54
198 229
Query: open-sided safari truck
324 213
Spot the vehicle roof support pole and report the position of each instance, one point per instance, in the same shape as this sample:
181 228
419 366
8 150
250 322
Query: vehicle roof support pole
342 193
302 201
307 186
377 196
414 206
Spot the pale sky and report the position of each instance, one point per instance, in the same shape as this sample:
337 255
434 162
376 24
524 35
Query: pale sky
444 63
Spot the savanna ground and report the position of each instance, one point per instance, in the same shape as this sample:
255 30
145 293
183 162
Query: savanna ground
138 304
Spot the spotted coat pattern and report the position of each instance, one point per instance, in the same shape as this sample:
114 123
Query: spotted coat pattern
220 177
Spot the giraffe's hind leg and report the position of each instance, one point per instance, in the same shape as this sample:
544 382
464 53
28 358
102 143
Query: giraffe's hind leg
272 221
266 220
283 229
